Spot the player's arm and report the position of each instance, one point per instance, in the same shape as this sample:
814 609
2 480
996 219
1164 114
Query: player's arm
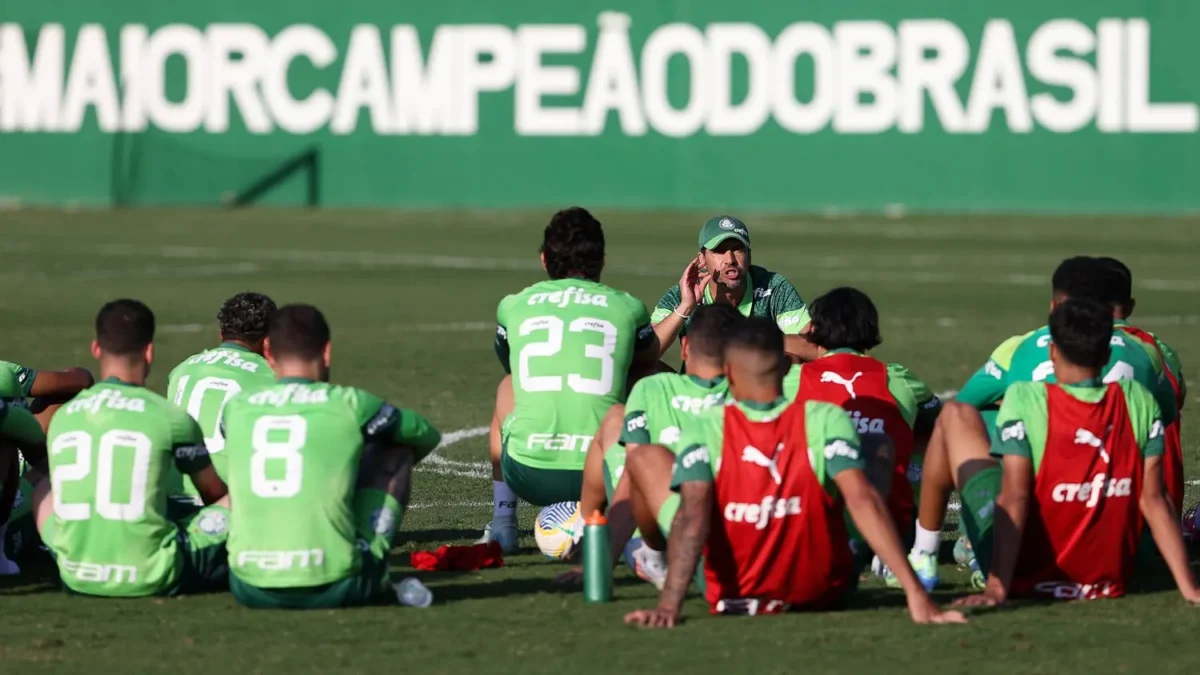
192 458
382 422
671 314
985 387
500 344
1164 526
871 516
791 315
646 352
693 479
21 428
60 383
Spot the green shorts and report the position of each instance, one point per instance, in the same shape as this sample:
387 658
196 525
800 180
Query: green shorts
369 585
540 487
978 515
200 549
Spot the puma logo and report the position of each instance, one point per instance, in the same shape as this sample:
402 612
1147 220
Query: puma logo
1085 437
848 384
755 456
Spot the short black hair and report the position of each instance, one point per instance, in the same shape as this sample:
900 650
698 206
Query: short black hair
573 245
756 333
245 316
844 318
1081 329
124 327
1119 281
709 327
298 331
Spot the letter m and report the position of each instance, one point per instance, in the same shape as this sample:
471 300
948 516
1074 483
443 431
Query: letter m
30 94
424 92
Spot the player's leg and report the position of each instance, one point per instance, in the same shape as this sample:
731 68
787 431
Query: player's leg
503 527
958 456
9 487
648 469
384 489
202 545
594 496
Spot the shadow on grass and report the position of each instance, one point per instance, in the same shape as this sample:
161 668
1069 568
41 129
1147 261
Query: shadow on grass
437 536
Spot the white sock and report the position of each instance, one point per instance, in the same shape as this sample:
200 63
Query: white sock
927 541
504 501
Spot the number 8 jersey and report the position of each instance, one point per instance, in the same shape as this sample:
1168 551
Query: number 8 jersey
111 451
568 344
293 454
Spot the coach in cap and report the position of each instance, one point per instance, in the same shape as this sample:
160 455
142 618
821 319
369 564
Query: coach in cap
721 273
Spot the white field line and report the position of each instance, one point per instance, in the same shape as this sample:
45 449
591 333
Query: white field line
906 269
435 463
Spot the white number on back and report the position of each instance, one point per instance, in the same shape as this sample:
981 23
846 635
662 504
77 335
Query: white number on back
294 428
110 442
553 344
215 442
1119 371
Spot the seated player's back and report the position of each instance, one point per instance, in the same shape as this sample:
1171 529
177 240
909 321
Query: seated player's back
571 344
1129 361
204 383
294 451
1087 445
112 450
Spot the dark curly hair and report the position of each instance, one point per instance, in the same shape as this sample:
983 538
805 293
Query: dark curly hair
245 316
844 318
573 245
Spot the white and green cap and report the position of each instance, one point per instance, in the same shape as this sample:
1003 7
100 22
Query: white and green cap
719 228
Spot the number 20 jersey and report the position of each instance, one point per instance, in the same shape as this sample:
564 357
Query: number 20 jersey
570 343
111 450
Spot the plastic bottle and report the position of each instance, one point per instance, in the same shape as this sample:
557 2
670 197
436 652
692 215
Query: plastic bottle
597 560
413 593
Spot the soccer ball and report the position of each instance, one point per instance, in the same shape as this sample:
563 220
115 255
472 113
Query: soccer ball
558 530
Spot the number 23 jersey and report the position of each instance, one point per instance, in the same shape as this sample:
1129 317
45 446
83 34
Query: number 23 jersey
568 344
293 453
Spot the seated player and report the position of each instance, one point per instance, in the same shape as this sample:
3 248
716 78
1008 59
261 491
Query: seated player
1060 515
319 475
1166 360
42 392
764 485
658 409
20 433
110 451
572 347
203 383
1025 358
886 402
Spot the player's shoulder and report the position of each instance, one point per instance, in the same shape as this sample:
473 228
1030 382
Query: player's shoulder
656 383
824 412
1019 393
1136 391
605 295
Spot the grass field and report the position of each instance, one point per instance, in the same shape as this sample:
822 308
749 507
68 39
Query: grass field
412 297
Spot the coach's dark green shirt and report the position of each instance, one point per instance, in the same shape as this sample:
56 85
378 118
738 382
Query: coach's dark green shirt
770 295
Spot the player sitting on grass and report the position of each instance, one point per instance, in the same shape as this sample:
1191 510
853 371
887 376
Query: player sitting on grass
203 383
20 433
110 454
48 389
319 474
571 346
764 485
1060 515
1167 361
886 402
659 408
1026 358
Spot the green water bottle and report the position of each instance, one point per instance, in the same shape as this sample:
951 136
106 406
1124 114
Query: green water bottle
597 560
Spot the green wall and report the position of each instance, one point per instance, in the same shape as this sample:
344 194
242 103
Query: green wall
1026 105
